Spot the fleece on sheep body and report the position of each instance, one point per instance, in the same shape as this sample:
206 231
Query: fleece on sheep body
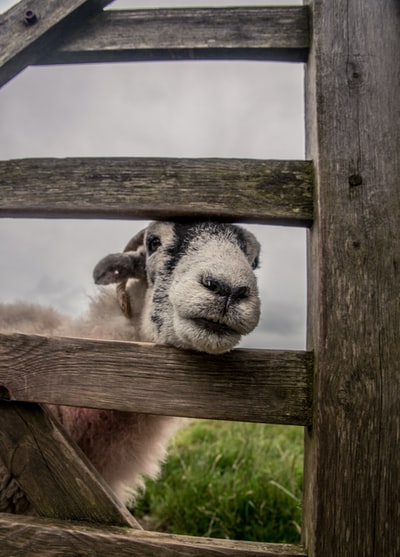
189 285
122 446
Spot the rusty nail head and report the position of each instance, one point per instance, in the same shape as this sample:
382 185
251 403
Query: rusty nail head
30 17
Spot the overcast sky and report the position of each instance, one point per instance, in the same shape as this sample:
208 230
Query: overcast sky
177 109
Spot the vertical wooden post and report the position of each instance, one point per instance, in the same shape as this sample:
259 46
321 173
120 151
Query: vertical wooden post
352 480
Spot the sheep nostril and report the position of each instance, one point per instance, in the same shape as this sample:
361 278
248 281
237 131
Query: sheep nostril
240 292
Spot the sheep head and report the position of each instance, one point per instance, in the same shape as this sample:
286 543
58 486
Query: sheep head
201 288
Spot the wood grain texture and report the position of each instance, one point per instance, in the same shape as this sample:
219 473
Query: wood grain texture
31 27
278 192
245 385
33 537
352 481
53 473
255 33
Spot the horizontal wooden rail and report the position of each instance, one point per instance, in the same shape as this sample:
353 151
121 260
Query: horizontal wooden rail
244 385
22 535
245 190
54 474
256 33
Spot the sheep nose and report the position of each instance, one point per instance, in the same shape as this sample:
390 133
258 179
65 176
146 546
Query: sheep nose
225 290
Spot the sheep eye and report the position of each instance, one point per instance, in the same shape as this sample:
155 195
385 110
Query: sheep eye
255 263
153 243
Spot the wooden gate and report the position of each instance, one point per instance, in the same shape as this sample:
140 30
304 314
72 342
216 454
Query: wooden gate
344 389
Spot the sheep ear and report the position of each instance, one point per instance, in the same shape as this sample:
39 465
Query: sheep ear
136 242
119 267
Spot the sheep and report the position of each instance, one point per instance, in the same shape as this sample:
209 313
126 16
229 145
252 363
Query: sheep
188 285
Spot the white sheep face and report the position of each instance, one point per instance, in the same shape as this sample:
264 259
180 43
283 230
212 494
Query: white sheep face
201 290
204 293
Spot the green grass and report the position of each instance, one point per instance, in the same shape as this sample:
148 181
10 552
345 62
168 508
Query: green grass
229 480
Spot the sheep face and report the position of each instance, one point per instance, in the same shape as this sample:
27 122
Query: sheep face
201 288
205 295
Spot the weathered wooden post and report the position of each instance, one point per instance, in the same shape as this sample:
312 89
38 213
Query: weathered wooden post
352 502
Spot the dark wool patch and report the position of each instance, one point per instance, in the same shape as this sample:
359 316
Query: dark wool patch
183 235
160 299
186 233
241 238
157 320
156 315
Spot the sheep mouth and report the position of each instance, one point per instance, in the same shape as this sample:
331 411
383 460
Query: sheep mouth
213 326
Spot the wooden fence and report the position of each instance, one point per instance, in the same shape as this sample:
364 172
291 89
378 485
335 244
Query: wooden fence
345 388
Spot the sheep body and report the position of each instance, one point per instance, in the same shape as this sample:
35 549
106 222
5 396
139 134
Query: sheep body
188 285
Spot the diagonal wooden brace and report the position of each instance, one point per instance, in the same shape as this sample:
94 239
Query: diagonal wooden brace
54 474
32 27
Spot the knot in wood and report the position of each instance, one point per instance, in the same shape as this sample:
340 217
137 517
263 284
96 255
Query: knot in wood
4 393
355 180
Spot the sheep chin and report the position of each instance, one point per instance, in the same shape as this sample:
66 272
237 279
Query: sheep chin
194 335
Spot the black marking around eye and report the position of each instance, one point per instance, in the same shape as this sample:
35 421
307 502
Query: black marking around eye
183 235
153 242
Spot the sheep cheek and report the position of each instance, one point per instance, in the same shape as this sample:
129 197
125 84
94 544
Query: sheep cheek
251 313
